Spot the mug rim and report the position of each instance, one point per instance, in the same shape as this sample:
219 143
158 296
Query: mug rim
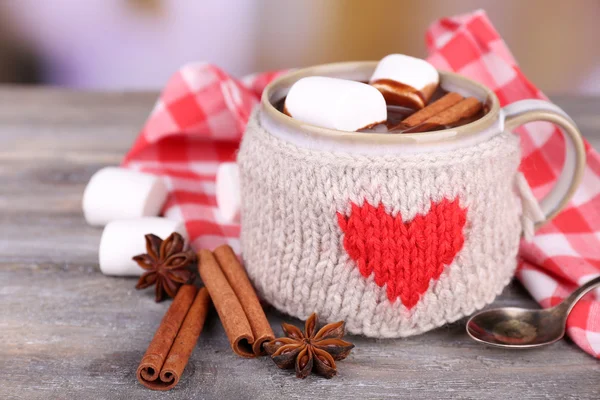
286 80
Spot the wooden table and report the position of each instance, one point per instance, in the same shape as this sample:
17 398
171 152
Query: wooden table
67 331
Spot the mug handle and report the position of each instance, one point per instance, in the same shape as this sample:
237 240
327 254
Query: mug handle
524 111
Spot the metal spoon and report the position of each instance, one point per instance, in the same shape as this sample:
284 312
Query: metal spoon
512 327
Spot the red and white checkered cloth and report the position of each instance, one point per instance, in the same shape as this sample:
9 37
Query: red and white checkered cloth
199 118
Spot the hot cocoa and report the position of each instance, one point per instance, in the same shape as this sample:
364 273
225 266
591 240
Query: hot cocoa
403 95
445 110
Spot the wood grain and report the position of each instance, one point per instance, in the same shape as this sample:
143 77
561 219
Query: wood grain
67 331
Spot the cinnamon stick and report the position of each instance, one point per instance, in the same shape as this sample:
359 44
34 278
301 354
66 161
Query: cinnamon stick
241 285
174 340
235 300
464 110
186 340
432 109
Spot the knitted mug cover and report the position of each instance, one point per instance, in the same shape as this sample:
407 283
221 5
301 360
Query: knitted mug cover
393 244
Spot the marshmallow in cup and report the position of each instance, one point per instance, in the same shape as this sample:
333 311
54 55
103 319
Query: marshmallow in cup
335 103
123 239
405 81
115 193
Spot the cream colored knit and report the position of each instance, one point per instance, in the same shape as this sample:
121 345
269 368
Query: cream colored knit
293 246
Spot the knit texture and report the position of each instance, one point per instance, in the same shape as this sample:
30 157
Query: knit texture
404 256
394 245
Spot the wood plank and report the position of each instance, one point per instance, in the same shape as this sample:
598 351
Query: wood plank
67 331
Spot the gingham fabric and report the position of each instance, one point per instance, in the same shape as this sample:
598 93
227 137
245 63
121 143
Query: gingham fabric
199 118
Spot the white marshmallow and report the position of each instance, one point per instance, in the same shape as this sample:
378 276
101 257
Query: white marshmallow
119 193
124 239
335 103
228 192
413 72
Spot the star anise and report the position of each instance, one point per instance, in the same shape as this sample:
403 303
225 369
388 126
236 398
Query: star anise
165 264
311 350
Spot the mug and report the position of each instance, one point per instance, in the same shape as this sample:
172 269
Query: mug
394 233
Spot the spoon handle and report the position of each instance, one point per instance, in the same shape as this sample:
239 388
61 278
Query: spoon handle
574 297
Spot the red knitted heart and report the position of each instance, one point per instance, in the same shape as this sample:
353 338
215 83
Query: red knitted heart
404 255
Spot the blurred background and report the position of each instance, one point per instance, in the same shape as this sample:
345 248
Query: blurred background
138 44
